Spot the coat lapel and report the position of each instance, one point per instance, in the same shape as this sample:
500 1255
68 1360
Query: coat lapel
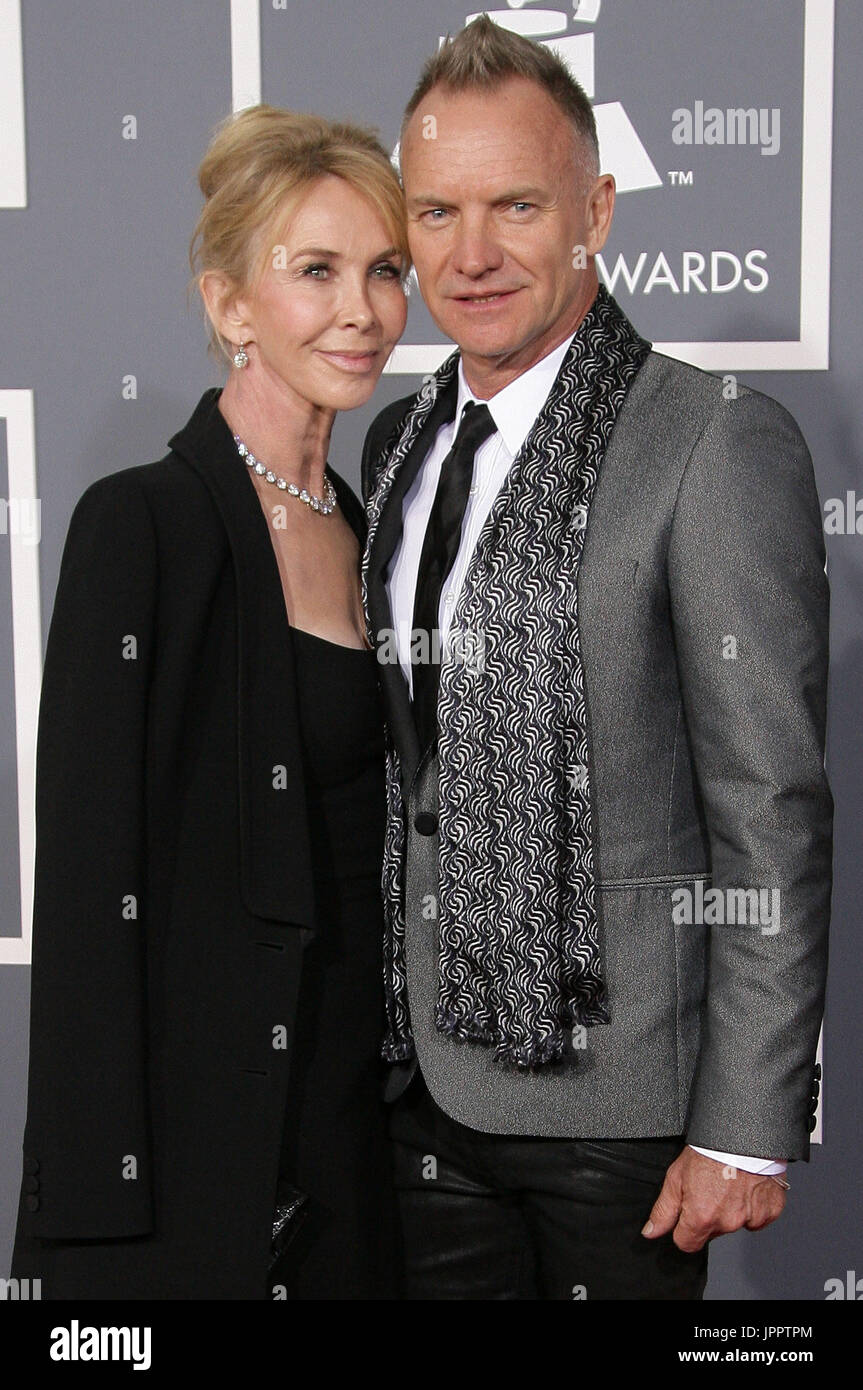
434 405
276 868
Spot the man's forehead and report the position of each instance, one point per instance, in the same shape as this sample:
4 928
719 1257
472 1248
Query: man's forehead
521 180
499 133
506 165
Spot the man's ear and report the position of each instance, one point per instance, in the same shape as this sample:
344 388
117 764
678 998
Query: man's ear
600 211
226 307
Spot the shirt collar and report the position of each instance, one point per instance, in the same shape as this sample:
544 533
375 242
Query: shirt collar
515 408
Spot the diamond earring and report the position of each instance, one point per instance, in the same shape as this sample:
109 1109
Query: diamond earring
241 357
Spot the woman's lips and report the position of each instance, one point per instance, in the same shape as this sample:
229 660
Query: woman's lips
358 362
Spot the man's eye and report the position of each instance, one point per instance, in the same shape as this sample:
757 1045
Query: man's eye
431 213
521 204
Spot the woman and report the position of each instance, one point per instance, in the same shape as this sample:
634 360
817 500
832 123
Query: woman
206 989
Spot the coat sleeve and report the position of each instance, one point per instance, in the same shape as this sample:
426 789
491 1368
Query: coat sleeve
87 1162
749 604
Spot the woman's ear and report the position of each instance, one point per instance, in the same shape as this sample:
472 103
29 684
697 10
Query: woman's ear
226 308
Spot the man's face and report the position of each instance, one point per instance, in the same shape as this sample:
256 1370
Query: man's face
498 203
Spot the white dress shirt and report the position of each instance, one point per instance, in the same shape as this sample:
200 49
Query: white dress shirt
514 410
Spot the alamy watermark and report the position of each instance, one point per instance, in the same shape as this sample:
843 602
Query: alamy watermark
738 125
466 647
21 516
732 907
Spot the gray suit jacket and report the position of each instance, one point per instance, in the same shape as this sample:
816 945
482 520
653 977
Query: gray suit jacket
703 612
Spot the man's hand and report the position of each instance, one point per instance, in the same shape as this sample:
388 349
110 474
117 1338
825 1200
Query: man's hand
701 1198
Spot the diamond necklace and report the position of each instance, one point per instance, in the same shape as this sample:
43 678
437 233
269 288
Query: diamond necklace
324 504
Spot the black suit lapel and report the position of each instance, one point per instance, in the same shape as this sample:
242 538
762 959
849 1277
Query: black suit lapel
386 538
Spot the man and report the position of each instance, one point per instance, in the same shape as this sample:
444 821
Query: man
597 590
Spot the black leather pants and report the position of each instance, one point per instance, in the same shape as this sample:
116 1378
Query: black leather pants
496 1216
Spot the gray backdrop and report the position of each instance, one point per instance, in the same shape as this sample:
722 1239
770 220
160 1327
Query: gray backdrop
94 229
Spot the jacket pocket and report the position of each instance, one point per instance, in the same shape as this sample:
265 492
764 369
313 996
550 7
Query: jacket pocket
654 881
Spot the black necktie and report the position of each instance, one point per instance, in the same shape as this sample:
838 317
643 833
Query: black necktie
440 547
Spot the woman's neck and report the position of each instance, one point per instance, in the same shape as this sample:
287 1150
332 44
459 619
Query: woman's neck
284 431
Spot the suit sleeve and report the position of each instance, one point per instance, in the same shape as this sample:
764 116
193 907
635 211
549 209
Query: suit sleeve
749 604
87 1152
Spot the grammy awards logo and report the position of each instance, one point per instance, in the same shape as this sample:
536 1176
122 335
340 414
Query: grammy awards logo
622 152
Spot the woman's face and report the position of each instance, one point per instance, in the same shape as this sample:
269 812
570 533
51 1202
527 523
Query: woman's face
330 306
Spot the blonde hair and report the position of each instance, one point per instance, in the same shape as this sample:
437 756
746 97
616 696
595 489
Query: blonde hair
259 164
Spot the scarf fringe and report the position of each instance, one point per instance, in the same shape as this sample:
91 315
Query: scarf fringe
536 1052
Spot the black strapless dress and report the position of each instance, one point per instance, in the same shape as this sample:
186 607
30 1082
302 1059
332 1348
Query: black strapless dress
335 1146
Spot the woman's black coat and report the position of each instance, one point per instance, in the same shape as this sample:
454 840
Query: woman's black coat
173 887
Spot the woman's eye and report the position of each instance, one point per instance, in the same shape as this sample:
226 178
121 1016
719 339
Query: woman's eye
310 269
391 272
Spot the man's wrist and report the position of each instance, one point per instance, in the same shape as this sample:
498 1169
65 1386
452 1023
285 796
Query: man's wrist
745 1162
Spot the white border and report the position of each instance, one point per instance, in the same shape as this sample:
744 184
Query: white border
17 409
811 351
13 165
245 54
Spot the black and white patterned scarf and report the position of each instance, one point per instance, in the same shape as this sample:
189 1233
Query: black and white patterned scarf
519 962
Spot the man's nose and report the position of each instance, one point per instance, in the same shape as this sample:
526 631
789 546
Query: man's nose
475 249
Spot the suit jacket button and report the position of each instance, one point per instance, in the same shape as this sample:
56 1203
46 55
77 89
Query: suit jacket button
812 1122
425 822
32 1203
817 1072
31 1165
31 1184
